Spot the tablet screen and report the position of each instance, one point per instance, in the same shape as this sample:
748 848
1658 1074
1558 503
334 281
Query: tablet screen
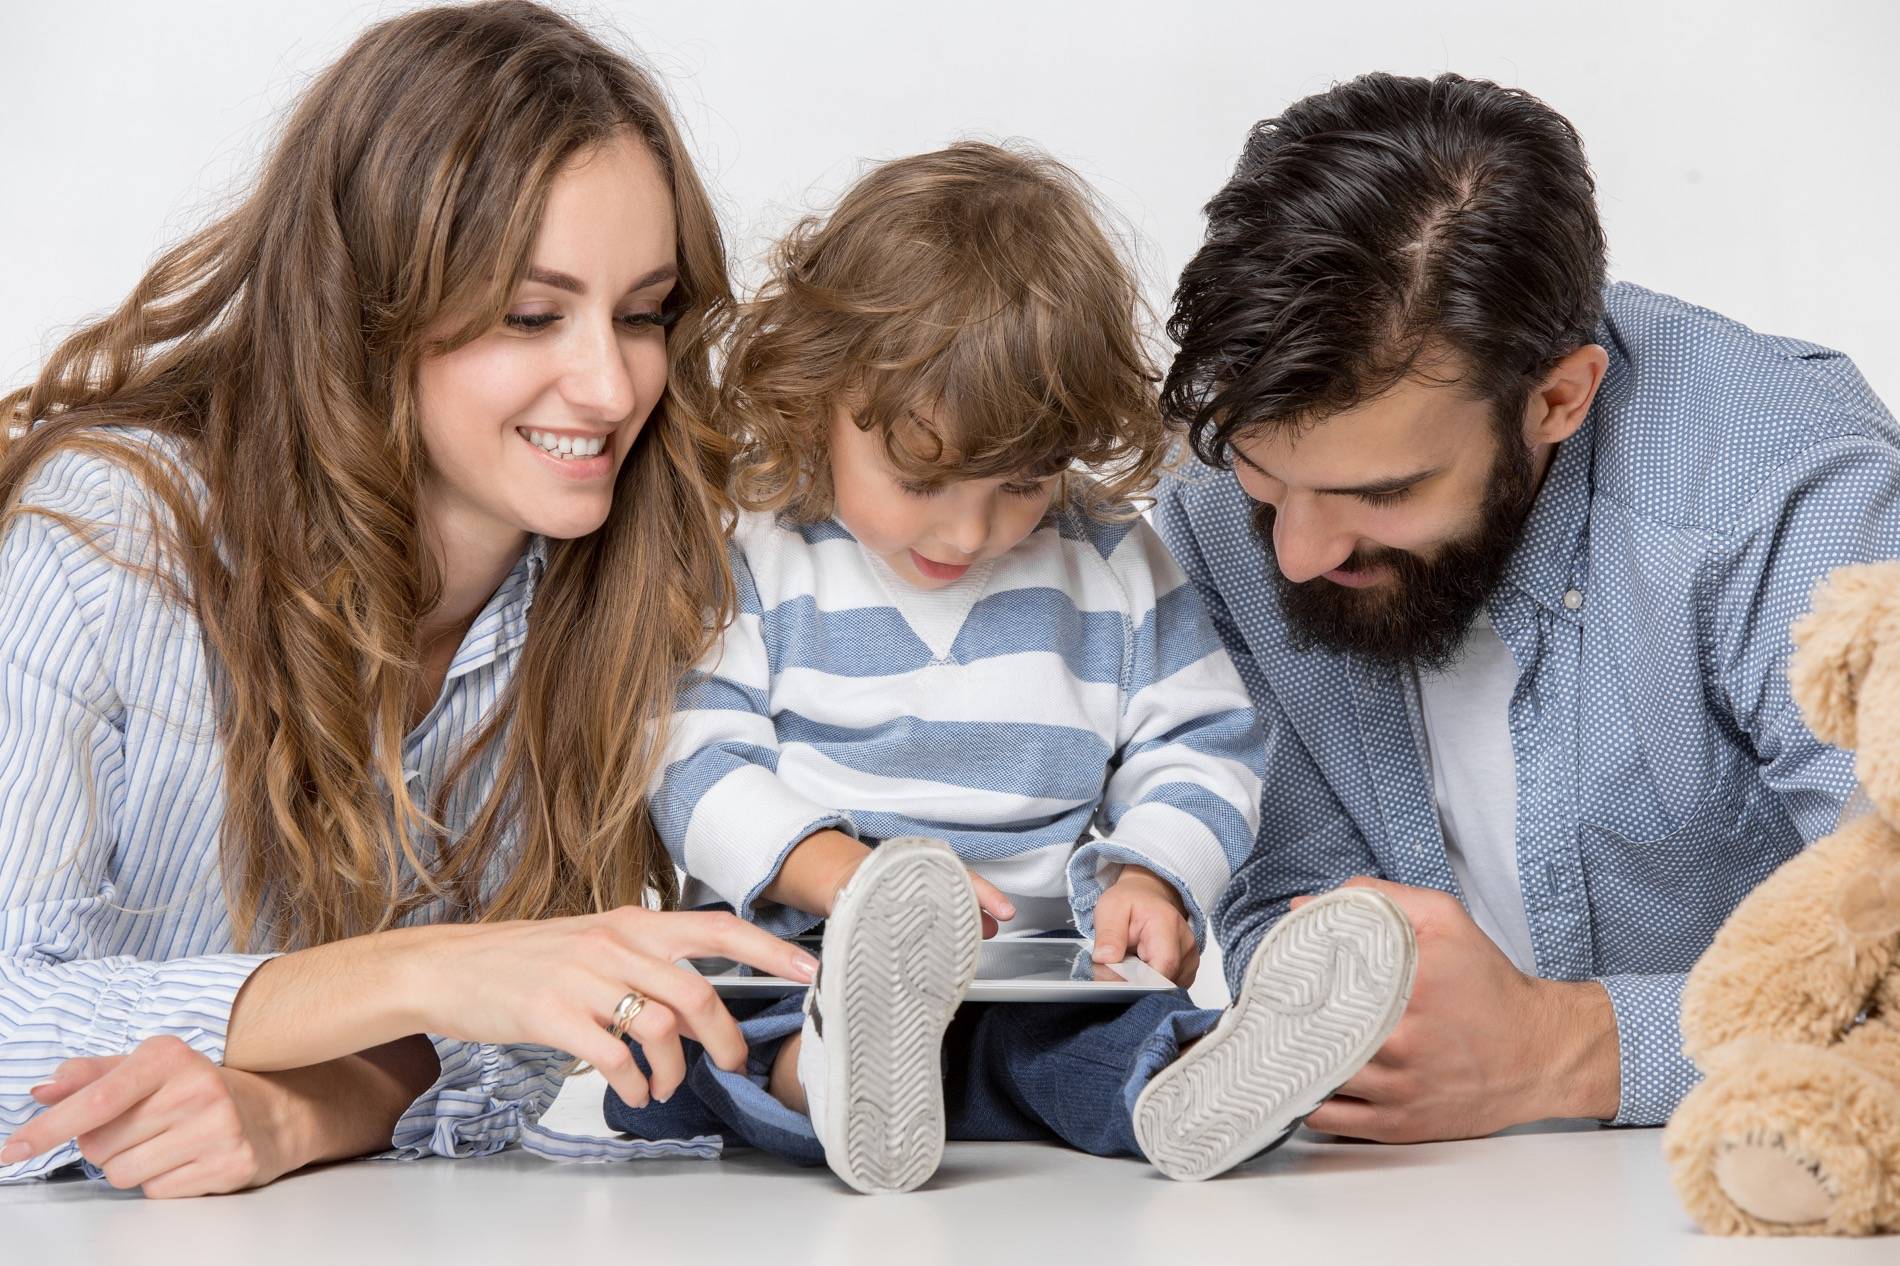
1029 969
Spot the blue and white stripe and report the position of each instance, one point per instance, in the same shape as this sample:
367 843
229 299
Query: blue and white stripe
1053 714
113 923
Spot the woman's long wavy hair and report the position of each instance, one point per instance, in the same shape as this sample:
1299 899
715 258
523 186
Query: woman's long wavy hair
971 308
278 349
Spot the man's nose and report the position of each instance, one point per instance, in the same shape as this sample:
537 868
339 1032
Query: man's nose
1306 543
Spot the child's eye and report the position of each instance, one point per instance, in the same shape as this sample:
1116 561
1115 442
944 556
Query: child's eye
1031 489
1384 498
530 321
912 489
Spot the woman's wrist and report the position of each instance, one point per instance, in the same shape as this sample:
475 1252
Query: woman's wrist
344 1108
323 1003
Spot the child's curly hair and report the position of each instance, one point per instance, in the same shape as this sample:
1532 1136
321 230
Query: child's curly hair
967 304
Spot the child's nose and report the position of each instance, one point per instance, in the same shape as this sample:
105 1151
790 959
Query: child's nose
968 533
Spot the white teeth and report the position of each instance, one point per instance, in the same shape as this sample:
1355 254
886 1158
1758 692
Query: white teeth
566 447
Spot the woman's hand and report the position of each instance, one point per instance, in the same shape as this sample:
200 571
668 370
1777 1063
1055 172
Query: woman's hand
166 1119
556 982
549 982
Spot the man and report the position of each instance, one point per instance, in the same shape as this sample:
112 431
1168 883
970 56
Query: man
1507 559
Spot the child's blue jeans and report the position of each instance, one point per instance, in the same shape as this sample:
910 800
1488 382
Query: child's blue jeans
1011 1071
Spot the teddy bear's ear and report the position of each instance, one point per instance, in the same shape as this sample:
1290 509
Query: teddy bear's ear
1834 648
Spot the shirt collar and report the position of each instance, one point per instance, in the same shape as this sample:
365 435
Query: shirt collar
1548 562
503 623
533 565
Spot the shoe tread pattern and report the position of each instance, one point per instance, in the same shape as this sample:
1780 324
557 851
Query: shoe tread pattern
909 961
1323 992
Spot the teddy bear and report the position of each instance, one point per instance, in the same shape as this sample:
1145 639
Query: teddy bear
1793 1014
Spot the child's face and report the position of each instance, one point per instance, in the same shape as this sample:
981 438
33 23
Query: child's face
928 534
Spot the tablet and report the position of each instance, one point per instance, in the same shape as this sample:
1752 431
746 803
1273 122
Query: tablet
1027 970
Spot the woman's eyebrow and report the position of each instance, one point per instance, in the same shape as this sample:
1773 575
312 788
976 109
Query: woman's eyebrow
574 285
558 279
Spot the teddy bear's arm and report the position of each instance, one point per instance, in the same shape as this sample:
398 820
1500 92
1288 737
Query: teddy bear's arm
1789 963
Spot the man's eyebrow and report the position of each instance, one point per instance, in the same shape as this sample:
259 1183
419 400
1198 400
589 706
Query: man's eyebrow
1380 487
1377 487
574 285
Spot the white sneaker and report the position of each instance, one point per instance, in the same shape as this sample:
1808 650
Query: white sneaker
899 954
1323 991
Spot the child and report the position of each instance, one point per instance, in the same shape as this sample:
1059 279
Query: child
952 641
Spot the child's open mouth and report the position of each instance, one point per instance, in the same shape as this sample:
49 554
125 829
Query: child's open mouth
935 570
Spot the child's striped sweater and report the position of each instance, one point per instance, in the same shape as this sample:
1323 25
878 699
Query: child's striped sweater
1052 714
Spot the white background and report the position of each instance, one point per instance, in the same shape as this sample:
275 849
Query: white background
1746 151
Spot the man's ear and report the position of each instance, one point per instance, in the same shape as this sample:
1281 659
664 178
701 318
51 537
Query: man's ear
1559 404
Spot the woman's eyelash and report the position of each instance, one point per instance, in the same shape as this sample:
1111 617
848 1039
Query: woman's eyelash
541 320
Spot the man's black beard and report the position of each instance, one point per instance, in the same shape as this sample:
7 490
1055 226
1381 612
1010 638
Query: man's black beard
1420 614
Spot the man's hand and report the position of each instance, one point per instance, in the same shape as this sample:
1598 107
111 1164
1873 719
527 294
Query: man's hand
1143 910
1482 1046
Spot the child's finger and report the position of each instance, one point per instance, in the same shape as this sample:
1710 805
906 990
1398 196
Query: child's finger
1160 950
1190 958
1111 934
990 899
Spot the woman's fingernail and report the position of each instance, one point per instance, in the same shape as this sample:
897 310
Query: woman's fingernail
805 967
15 1151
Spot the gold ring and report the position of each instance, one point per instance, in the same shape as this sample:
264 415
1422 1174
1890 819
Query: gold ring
625 1013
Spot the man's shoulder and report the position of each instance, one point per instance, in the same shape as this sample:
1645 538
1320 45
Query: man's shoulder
1203 503
1698 413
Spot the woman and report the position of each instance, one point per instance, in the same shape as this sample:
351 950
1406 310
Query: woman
346 573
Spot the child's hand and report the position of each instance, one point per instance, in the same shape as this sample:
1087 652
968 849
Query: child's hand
995 906
1143 910
828 859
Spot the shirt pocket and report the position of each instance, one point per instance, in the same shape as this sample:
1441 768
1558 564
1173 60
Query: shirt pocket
1666 879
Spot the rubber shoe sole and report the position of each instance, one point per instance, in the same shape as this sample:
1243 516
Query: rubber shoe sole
1325 988
899 954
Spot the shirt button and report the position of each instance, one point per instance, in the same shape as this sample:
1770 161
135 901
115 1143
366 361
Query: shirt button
1573 599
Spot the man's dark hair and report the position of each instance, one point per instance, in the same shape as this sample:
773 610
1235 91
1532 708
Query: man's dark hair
1369 227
